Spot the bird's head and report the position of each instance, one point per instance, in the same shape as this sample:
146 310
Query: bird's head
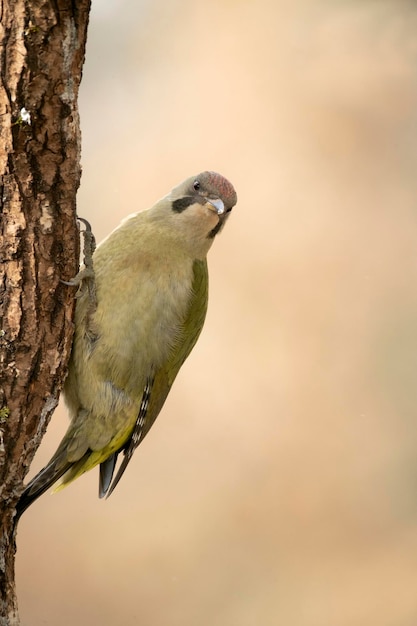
210 191
198 209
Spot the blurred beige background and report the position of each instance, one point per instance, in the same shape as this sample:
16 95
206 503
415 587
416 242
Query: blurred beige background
279 484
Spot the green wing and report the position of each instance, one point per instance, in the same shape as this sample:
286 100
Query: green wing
194 321
158 387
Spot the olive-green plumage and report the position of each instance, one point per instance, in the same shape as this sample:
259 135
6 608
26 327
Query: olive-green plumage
151 286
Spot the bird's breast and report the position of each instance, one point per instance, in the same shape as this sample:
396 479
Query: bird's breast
138 322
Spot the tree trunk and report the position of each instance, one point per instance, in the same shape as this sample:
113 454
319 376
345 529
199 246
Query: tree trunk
42 47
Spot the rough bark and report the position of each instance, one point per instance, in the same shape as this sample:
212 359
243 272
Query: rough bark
42 46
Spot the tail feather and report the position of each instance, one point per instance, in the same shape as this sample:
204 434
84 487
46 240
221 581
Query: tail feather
106 474
42 482
120 472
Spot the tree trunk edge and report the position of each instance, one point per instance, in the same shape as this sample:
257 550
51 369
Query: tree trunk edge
42 47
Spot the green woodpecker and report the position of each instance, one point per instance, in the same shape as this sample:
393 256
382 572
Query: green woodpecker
151 285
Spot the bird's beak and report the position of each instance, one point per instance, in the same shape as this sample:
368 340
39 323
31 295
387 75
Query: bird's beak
217 204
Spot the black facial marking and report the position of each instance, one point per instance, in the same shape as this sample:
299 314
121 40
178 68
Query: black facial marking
216 229
181 204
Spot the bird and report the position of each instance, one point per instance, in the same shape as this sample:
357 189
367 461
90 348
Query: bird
151 296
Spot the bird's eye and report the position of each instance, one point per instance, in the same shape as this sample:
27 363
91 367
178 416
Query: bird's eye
196 185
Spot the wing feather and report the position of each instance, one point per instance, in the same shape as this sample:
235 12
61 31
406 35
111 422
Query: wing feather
157 387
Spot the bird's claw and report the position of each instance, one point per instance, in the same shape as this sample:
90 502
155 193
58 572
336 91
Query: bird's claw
86 273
